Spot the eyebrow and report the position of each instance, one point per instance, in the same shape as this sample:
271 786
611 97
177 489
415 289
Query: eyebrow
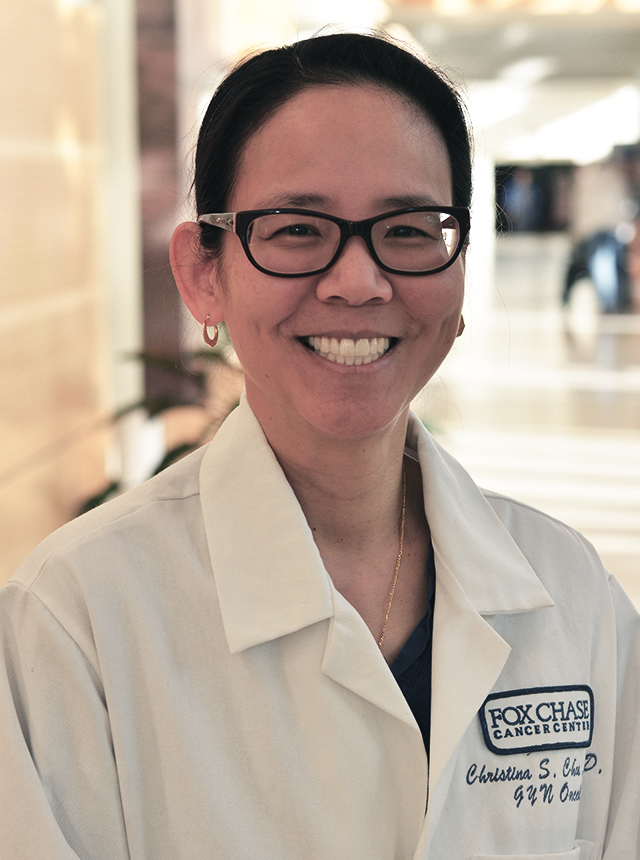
408 201
298 201
319 201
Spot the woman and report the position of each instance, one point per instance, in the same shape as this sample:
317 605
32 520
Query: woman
236 659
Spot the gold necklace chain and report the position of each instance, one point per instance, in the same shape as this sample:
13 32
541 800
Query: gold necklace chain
398 560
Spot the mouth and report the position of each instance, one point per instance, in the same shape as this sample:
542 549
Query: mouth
348 351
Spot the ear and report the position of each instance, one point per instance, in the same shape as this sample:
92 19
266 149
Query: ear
194 274
460 326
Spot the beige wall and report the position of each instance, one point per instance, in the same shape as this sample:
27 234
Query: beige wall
55 361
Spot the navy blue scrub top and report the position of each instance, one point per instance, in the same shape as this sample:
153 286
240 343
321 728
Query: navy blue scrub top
412 666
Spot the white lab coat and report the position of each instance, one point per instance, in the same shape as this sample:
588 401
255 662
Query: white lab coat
183 682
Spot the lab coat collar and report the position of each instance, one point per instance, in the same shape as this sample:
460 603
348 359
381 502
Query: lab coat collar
469 539
269 574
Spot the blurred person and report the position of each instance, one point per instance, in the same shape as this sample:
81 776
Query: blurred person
522 201
316 637
602 258
633 265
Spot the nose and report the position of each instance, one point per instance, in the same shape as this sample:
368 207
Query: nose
355 277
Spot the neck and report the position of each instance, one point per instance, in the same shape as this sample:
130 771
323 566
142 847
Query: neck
349 489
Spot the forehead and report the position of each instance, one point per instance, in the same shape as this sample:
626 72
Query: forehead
349 144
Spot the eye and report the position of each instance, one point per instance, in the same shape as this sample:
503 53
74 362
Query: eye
302 230
287 229
426 231
298 235
404 231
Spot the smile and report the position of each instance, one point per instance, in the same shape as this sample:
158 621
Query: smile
348 351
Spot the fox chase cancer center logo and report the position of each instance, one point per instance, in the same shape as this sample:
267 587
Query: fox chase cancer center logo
542 718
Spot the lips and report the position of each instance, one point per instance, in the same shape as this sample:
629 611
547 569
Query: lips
348 351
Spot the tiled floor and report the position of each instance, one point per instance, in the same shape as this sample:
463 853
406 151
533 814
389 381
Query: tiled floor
543 404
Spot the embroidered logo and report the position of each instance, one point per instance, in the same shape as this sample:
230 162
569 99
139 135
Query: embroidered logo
540 718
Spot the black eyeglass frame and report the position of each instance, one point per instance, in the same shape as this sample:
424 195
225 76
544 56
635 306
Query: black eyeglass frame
239 222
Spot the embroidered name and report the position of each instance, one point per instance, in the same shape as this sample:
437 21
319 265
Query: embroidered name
541 718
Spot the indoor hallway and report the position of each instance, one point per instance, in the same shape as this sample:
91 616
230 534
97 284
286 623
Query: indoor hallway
543 403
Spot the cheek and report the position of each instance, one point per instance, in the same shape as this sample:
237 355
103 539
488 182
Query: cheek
252 309
453 288
235 293
441 300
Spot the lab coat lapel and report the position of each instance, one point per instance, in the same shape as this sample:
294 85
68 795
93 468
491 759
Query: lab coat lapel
352 658
467 659
480 571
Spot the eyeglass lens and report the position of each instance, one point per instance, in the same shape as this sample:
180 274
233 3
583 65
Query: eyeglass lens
295 243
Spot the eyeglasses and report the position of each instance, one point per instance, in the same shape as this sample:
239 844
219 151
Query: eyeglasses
290 243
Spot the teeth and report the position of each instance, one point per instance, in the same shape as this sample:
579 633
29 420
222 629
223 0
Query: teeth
348 351
362 347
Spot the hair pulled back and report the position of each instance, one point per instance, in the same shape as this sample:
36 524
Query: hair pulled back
260 85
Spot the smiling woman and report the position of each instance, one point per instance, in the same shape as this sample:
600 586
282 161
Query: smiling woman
301 637
352 149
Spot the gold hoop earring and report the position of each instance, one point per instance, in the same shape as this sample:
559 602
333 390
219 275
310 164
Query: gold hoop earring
210 340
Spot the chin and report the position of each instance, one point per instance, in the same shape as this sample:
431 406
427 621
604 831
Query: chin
355 422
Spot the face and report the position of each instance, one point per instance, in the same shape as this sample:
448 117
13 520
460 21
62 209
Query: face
353 152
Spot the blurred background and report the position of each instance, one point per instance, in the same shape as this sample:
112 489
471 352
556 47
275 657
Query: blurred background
101 372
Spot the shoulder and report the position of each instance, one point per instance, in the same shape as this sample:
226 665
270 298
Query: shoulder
564 560
529 525
134 531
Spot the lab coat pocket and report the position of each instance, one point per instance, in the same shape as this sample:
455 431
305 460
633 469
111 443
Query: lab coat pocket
582 851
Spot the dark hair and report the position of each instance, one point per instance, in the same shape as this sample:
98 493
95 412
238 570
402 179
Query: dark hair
257 87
